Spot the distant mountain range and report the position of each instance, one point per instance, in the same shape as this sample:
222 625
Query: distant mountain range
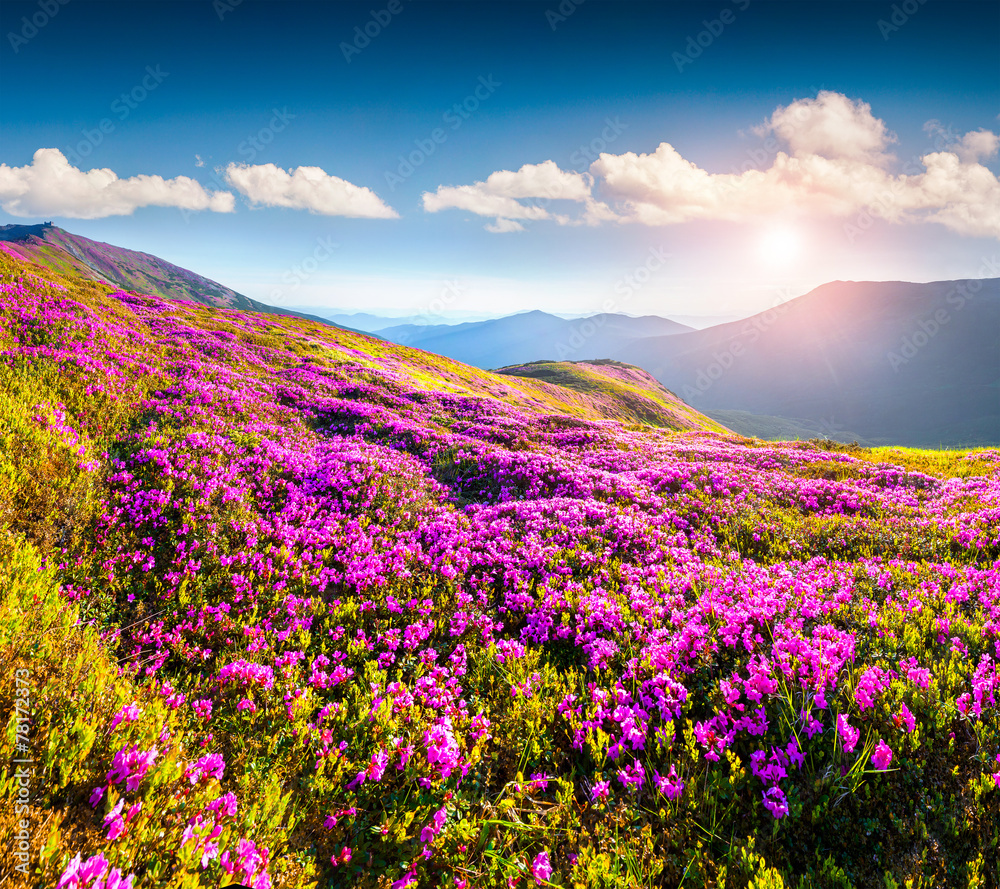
57 249
530 336
887 362
372 323
877 362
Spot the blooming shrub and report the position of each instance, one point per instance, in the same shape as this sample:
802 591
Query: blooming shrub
305 609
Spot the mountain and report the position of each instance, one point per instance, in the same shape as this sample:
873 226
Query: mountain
532 336
372 323
889 362
364 321
61 251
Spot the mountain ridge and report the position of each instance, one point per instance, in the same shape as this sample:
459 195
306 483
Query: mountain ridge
58 250
896 362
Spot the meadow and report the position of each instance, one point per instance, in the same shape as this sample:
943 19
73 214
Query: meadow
289 606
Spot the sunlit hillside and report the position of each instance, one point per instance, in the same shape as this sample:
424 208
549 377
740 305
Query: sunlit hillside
285 605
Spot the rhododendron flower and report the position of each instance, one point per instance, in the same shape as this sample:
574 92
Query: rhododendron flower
848 734
775 802
378 765
434 828
541 870
670 786
114 821
88 875
408 879
209 852
128 713
211 765
132 765
882 756
226 804
601 790
442 749
907 718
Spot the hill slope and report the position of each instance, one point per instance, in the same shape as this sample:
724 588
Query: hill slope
913 364
620 391
531 336
58 250
290 607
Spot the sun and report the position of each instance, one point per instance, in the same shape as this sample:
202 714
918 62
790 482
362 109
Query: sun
779 246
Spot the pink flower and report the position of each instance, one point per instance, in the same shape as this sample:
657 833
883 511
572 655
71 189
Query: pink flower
128 713
96 797
114 821
541 870
848 734
671 786
378 765
775 802
211 765
79 875
408 879
434 828
600 791
131 765
907 718
209 852
882 756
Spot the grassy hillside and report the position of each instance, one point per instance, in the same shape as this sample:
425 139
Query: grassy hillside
284 605
619 391
63 252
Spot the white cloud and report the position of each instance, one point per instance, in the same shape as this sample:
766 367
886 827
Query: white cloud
501 193
976 145
475 199
306 188
835 163
504 225
830 126
829 157
198 162
51 186
544 180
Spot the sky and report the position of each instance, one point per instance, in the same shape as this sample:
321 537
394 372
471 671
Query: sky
687 159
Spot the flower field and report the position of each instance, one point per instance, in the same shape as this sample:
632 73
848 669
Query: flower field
303 608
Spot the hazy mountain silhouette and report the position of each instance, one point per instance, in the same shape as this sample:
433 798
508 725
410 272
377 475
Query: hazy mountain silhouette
532 336
892 362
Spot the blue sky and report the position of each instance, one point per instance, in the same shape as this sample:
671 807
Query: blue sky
823 107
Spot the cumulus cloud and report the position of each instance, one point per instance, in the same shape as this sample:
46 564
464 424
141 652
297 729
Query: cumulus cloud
51 186
834 162
827 156
831 126
500 195
306 188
